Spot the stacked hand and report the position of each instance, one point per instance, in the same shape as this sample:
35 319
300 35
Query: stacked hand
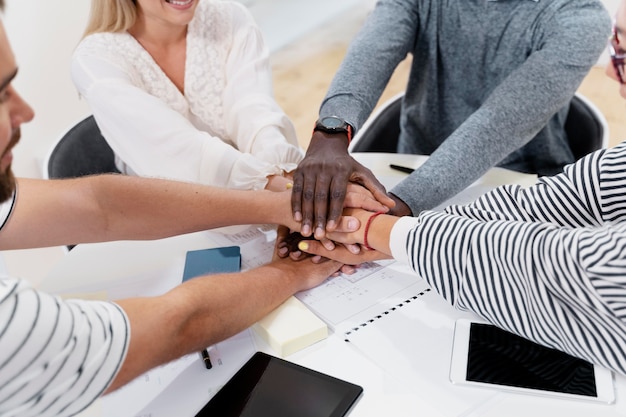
327 182
323 182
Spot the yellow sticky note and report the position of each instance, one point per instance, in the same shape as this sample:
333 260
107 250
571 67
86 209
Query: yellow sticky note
291 327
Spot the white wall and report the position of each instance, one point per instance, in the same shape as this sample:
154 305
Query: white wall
44 33
611 5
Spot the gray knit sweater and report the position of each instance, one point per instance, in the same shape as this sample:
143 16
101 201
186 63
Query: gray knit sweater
490 84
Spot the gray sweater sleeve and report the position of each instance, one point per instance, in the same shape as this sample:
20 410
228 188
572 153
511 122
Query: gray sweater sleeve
384 41
516 110
568 37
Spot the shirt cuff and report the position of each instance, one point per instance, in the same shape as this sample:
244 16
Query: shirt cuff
398 237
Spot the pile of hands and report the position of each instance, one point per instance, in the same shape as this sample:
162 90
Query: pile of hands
330 217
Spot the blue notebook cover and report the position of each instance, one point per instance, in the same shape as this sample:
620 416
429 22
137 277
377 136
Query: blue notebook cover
212 261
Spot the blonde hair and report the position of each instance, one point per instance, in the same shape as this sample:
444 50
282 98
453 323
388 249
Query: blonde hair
111 16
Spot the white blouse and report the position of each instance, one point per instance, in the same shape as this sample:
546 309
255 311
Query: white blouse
225 130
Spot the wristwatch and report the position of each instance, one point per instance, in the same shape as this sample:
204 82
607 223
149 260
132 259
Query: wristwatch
332 125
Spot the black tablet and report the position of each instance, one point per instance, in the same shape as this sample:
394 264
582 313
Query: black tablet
267 386
487 356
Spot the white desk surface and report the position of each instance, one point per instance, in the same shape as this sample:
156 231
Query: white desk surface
107 263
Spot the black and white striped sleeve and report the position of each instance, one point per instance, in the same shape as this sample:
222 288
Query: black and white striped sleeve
548 263
56 357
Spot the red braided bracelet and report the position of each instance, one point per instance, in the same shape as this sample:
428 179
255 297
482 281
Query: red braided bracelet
367 229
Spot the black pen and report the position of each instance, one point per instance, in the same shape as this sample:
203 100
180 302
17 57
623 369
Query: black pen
206 358
401 168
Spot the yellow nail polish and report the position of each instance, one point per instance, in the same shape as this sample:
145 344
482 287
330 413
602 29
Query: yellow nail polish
289 185
303 245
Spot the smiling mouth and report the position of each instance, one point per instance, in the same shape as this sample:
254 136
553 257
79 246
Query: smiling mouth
179 2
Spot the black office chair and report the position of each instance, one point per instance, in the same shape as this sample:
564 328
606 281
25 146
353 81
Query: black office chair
586 127
80 151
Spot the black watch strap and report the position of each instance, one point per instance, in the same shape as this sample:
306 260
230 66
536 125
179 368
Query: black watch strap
334 125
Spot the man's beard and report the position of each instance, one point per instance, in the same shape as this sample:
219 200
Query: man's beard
7 179
7 185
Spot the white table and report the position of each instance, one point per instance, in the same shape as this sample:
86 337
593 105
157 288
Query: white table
106 265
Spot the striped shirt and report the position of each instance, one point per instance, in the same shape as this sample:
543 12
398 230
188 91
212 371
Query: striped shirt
547 262
56 357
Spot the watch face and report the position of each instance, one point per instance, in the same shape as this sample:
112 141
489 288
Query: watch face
332 122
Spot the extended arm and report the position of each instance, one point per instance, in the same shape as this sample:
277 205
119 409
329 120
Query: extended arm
117 207
557 286
322 177
204 311
252 117
65 353
518 108
199 136
544 263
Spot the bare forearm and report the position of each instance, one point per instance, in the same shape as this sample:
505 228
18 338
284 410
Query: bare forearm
206 310
176 208
115 207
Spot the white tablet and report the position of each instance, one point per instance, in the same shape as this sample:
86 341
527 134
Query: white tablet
487 356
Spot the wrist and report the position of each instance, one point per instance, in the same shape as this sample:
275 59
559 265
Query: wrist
320 140
367 242
401 208
277 183
378 233
277 205
334 125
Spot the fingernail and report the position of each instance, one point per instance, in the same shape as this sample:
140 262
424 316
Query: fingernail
319 232
303 245
283 251
331 225
289 185
297 216
306 230
353 225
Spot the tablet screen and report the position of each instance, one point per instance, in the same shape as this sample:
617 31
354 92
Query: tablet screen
498 357
267 386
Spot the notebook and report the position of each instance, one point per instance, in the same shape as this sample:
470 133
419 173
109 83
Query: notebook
212 261
412 341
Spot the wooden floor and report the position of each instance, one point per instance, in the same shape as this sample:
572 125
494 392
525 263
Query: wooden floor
303 71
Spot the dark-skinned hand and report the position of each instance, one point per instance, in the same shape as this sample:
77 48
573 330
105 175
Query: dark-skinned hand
320 184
